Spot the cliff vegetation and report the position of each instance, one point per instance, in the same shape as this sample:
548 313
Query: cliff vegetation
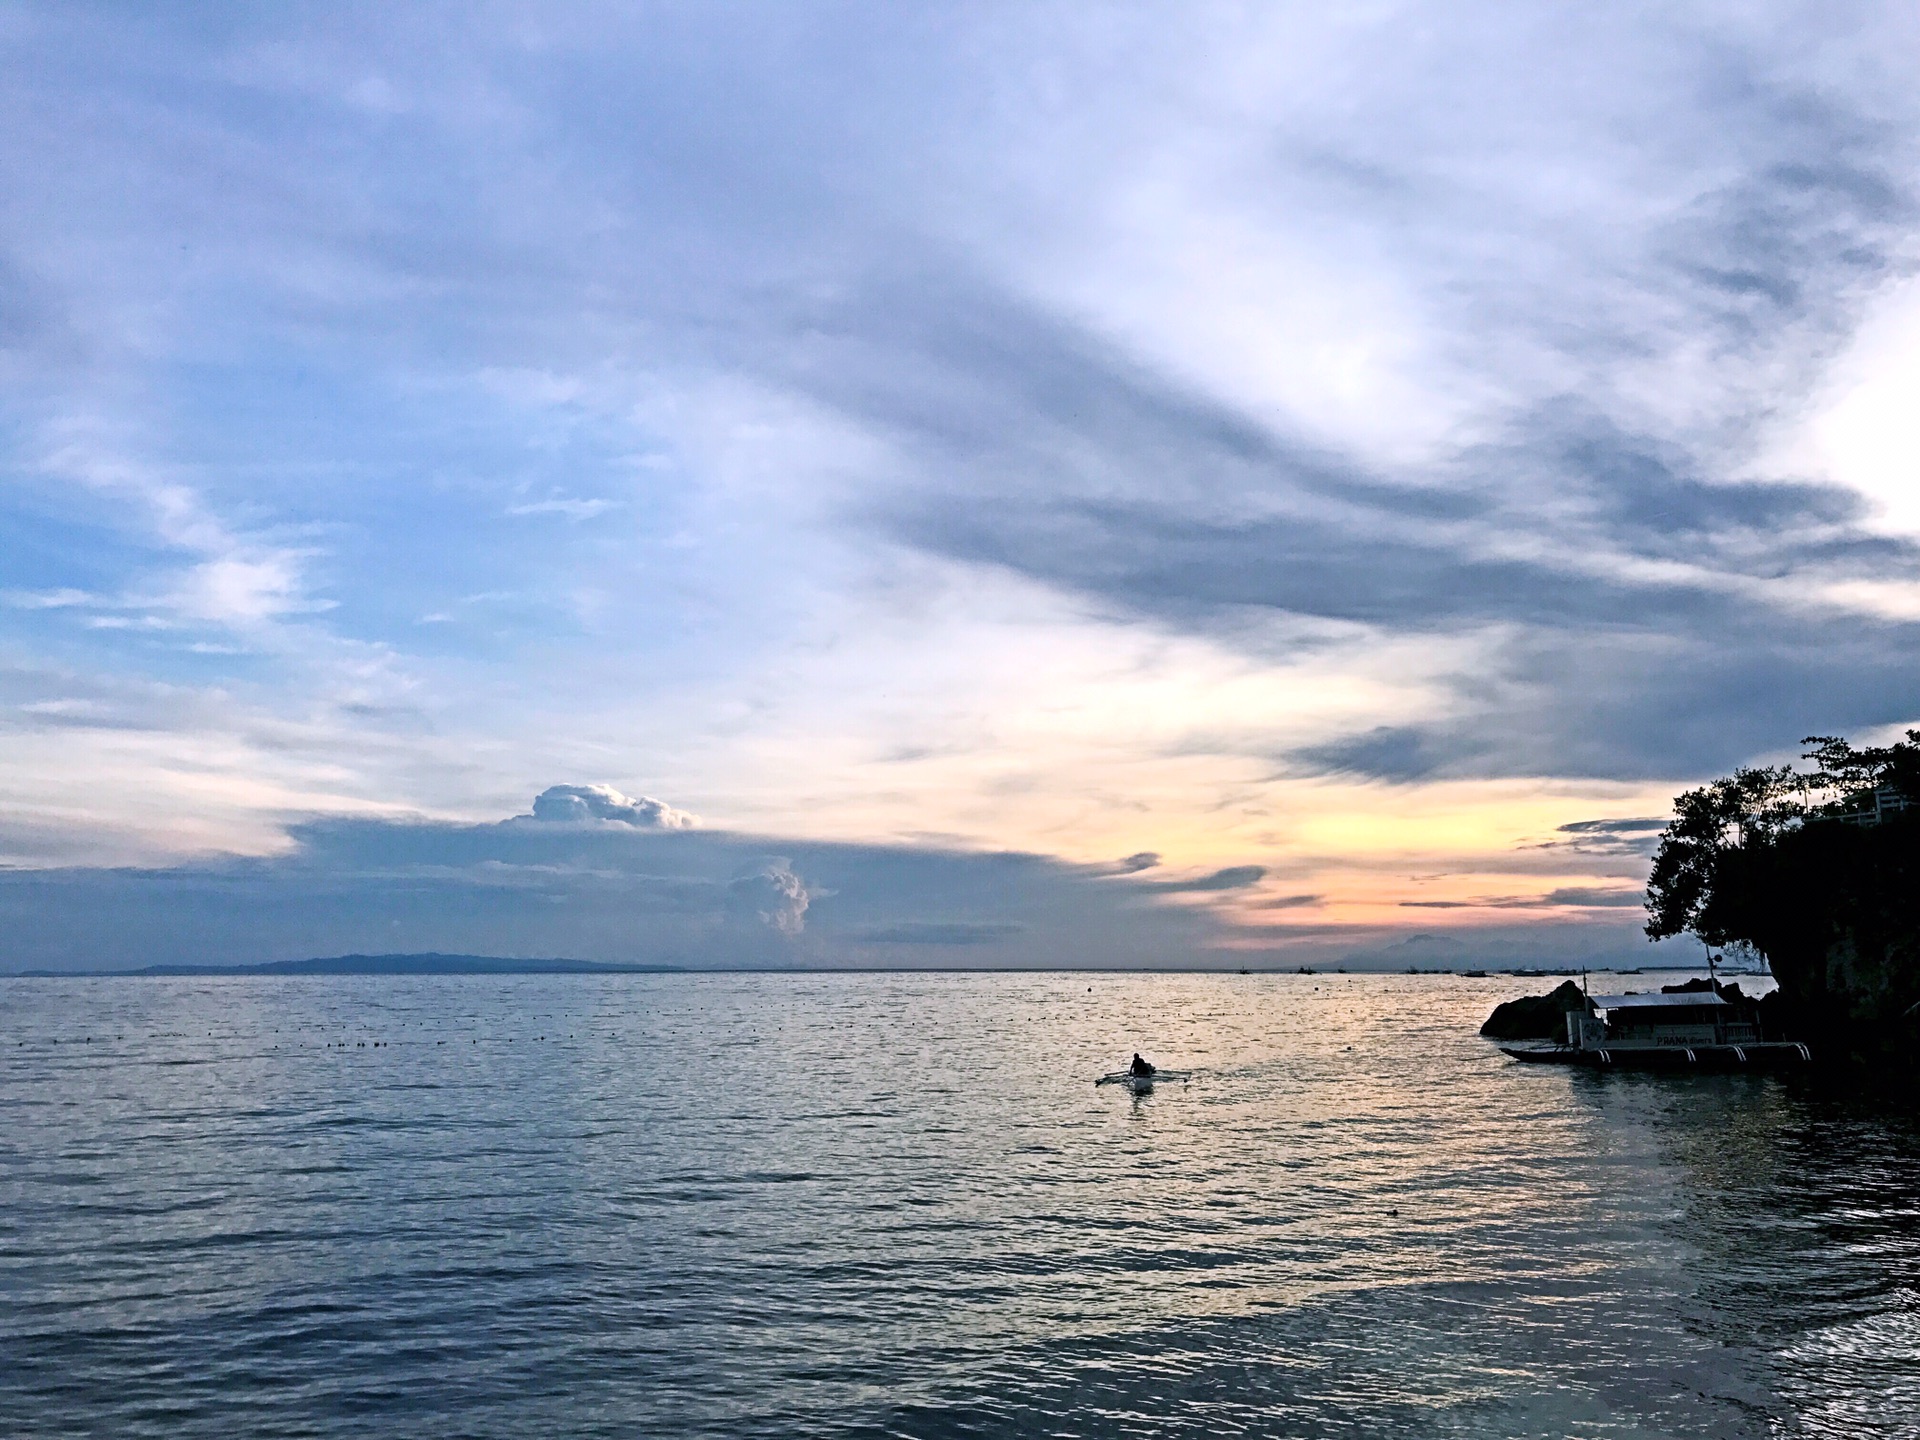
1817 869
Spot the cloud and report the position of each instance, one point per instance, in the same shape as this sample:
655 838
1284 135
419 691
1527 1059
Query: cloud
1134 864
1597 898
772 896
1287 902
1647 606
585 804
1473 353
47 600
1633 839
1567 897
1397 752
605 891
570 509
1661 633
1640 825
1234 877
683 897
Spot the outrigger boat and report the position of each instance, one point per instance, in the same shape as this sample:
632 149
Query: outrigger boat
1687 1030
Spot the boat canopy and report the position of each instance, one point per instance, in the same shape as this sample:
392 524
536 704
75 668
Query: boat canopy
1686 999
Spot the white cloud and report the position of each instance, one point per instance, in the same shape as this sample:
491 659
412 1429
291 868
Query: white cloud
1864 428
571 509
62 599
218 574
773 896
237 589
586 804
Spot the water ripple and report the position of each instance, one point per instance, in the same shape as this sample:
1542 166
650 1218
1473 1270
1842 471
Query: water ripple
895 1205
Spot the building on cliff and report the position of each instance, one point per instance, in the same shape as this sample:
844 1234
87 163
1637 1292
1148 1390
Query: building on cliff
1873 807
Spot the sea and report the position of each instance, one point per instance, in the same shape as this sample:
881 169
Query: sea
884 1204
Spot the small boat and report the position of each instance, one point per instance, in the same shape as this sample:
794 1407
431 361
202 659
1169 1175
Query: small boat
1672 1030
1140 1084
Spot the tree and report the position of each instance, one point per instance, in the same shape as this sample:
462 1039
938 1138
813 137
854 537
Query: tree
1763 858
1751 807
1842 773
1724 830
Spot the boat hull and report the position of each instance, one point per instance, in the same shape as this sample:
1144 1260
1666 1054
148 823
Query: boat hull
1141 1084
1765 1055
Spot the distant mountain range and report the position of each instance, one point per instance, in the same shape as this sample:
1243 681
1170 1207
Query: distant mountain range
392 965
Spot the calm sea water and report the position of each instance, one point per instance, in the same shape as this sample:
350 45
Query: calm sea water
896 1205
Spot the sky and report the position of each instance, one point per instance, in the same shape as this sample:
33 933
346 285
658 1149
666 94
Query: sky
1014 484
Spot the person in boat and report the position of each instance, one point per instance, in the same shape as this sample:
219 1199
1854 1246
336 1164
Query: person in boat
1140 1069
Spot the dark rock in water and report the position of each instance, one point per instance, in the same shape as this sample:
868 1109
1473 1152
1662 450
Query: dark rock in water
1535 1017
1699 985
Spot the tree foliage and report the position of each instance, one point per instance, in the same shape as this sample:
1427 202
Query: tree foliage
1720 830
1842 773
1751 805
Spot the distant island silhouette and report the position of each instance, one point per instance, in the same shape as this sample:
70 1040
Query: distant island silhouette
428 964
